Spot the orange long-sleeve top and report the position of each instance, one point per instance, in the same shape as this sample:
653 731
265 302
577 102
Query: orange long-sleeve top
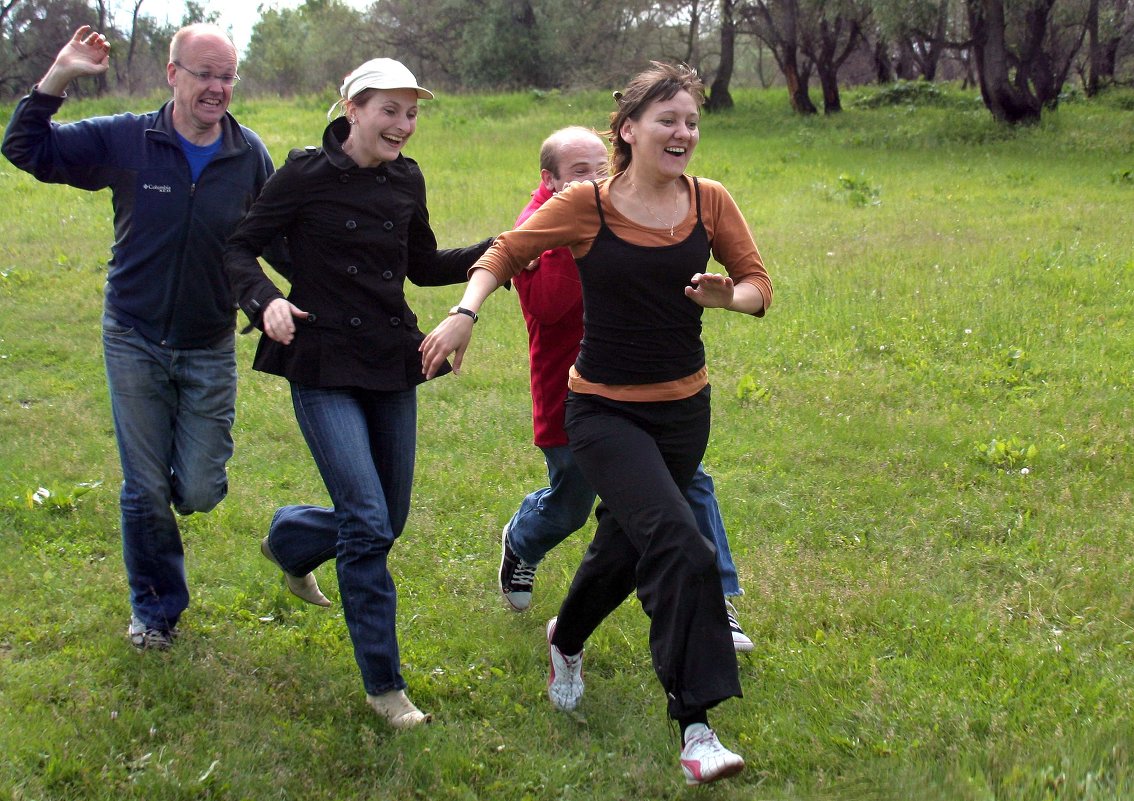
571 219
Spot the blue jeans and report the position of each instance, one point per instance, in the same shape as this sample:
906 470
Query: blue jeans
173 412
364 443
550 515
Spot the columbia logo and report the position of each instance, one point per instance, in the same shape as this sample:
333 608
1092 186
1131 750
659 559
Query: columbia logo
166 188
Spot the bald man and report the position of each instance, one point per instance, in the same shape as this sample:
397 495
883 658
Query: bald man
181 178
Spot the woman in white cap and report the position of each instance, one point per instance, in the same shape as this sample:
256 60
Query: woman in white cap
356 223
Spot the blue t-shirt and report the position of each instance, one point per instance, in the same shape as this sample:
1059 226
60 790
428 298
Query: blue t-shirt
199 156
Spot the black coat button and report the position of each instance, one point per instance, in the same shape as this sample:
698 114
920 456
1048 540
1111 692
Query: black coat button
381 179
395 322
351 225
352 270
311 318
355 322
343 178
387 274
389 226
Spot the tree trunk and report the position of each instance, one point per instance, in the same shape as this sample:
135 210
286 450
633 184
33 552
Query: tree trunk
100 82
832 52
133 46
694 35
798 94
883 64
832 103
1094 59
719 98
990 54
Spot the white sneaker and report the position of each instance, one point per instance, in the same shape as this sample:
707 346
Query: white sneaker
740 641
704 759
565 684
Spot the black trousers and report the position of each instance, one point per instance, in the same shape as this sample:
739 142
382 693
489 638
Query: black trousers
640 457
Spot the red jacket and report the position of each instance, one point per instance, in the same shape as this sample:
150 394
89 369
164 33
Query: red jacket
551 299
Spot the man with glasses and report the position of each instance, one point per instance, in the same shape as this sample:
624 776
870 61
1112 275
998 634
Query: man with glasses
181 178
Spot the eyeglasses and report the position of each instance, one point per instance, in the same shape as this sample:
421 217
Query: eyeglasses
208 77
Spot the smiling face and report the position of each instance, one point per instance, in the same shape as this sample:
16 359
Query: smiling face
199 106
381 122
662 139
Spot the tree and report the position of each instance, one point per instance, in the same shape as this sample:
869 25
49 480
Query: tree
776 23
1110 23
719 97
306 49
33 32
1023 54
503 48
918 29
833 29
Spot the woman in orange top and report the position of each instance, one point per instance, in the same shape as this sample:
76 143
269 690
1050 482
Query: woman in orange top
638 405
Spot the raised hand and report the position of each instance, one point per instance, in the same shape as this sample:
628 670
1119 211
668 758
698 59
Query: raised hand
87 53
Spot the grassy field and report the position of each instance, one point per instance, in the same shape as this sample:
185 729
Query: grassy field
923 454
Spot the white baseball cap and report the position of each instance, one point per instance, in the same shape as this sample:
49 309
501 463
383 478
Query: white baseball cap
381 73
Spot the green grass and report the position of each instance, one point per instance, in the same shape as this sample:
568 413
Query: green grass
923 455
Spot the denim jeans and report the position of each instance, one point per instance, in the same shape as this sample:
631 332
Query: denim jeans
363 442
173 412
551 514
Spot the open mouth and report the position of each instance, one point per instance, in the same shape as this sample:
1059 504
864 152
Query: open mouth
675 151
393 141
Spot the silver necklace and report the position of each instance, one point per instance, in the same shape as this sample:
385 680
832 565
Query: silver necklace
673 220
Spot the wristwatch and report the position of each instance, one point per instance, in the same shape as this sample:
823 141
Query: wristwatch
464 311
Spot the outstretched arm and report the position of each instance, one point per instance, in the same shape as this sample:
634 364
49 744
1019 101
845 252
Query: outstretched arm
455 331
88 53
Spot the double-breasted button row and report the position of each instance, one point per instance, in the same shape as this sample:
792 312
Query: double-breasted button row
387 275
388 225
344 177
355 322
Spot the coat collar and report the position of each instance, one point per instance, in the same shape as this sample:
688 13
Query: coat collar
333 137
232 138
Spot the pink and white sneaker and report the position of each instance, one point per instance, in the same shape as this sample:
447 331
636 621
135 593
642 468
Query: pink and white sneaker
565 684
704 759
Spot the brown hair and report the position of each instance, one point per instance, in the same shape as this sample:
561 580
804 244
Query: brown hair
660 82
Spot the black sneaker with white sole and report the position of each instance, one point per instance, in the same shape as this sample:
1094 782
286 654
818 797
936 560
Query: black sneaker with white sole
741 642
516 576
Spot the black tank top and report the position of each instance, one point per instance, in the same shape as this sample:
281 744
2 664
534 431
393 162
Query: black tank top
638 326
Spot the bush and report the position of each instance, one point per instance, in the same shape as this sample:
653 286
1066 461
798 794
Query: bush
905 93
